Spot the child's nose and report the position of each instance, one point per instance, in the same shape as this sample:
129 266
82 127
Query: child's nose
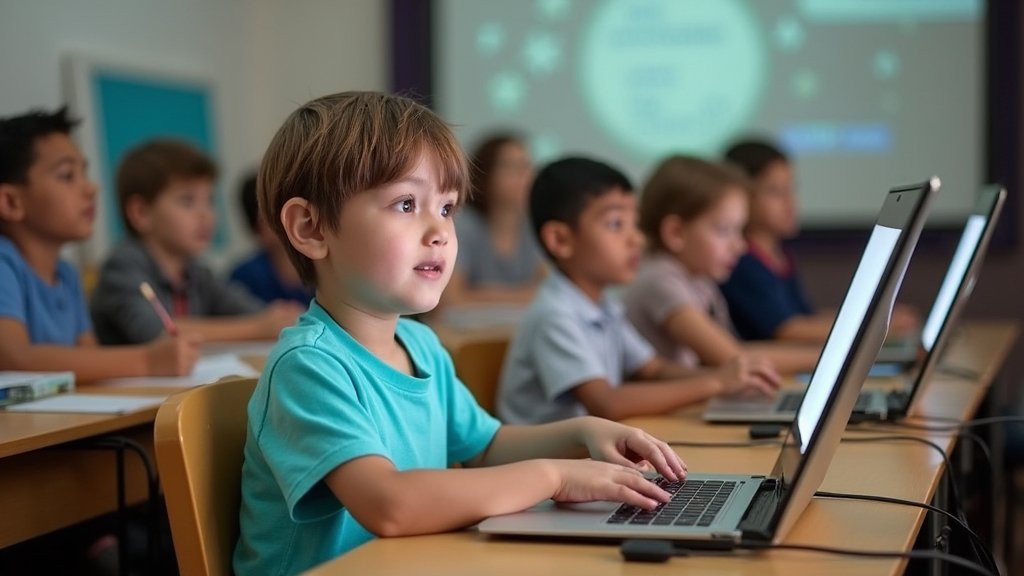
437 234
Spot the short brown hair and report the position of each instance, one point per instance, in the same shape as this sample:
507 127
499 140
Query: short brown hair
148 169
684 186
340 145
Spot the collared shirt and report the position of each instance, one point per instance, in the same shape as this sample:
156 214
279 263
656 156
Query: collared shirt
662 288
564 340
52 313
121 313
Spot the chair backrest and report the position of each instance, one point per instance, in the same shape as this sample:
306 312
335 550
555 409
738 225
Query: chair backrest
478 365
199 436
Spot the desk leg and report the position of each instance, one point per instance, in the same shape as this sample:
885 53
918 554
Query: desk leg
119 444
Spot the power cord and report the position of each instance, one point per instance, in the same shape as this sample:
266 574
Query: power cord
989 559
983 553
953 426
662 550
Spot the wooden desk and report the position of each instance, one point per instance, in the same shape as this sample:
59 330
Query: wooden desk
45 486
899 469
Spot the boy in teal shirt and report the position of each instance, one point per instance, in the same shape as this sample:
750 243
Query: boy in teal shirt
358 414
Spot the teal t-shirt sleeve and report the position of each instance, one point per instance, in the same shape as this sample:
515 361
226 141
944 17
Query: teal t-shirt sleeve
470 428
314 423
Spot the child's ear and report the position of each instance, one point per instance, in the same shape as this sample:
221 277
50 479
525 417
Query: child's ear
300 224
558 239
12 208
136 211
672 233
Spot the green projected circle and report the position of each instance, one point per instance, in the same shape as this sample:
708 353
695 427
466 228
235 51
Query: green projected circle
669 75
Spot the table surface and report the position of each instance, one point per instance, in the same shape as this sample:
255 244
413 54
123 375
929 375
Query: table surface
900 469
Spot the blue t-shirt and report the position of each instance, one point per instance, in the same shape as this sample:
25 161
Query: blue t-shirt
760 300
258 276
322 400
52 313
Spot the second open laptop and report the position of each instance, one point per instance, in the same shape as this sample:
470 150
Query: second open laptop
953 293
721 510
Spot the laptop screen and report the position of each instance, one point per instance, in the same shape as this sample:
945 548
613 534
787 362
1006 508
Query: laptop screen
851 348
845 329
973 229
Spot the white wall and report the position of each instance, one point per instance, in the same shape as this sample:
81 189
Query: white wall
265 57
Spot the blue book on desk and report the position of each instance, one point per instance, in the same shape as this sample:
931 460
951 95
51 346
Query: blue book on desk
18 387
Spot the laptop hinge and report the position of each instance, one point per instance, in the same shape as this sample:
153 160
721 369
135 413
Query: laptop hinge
759 520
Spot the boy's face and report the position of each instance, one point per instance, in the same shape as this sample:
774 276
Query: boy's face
605 245
181 219
57 203
712 243
395 247
773 205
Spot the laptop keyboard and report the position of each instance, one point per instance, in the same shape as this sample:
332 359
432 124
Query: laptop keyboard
694 503
790 402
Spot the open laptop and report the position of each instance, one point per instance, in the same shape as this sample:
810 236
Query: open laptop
956 286
720 510
887 405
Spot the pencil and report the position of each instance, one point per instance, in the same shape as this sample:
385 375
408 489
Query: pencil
168 323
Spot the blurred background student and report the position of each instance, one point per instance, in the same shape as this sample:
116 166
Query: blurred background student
268 273
765 294
499 260
693 213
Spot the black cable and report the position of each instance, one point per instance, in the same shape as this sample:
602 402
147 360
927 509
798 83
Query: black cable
990 558
957 502
662 550
958 425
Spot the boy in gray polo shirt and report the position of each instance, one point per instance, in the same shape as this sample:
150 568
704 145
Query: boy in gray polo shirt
575 348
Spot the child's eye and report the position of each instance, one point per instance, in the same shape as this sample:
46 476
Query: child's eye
405 206
615 225
68 176
448 210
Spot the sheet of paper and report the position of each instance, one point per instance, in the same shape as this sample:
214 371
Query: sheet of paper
89 404
208 369
248 348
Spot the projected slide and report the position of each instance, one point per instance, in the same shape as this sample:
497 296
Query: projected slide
865 94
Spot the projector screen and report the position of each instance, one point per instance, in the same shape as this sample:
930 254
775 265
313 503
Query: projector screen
864 94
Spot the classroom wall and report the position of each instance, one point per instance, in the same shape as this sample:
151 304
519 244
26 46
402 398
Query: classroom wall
265 57
997 293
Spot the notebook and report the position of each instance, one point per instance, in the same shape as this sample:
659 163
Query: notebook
952 295
18 386
720 510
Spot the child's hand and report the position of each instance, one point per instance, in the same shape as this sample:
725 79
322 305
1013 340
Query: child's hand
172 356
591 481
749 374
279 315
630 447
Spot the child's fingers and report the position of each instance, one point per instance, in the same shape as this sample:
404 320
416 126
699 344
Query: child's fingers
665 460
639 491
